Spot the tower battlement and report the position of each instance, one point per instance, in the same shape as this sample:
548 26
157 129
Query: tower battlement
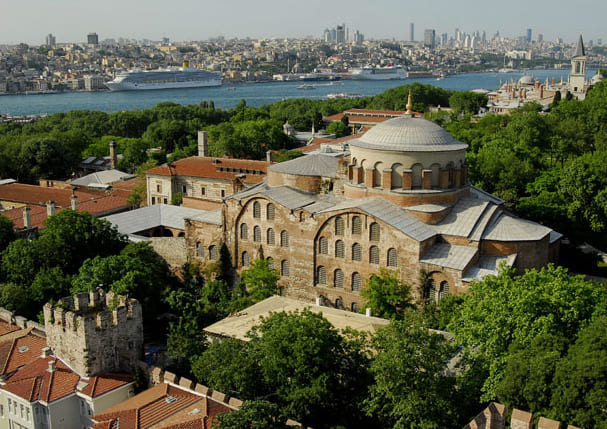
95 331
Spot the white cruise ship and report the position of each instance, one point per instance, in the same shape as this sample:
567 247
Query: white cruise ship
170 78
389 72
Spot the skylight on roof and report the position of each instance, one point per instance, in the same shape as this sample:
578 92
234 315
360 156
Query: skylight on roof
23 349
170 399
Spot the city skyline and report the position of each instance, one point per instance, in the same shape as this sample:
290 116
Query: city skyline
72 20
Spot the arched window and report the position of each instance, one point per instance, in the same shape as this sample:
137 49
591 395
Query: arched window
270 236
444 290
213 254
244 231
338 278
321 275
257 234
270 211
356 282
245 259
392 258
354 307
199 250
374 255
356 252
323 247
339 249
416 176
339 303
356 225
374 232
378 171
284 239
256 210
284 268
397 176
270 262
339 226
430 290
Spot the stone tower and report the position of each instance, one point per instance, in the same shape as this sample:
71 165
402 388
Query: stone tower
577 78
95 332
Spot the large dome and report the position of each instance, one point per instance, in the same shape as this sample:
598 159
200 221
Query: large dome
408 134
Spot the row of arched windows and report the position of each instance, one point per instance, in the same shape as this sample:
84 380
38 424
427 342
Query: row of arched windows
338 278
245 260
356 254
270 235
212 251
339 304
356 227
270 211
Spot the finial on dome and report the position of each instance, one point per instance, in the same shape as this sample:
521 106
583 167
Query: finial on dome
409 105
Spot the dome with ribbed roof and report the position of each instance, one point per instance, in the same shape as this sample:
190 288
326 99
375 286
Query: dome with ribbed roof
408 134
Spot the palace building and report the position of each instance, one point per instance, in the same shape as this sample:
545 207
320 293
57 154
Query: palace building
400 200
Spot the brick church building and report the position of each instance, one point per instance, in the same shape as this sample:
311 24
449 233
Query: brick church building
398 198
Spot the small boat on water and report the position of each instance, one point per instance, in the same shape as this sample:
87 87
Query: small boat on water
306 86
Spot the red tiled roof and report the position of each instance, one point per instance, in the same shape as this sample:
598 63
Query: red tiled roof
151 409
31 194
197 166
323 140
6 327
104 383
20 351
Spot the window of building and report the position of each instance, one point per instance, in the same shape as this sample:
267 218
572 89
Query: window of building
270 262
338 278
339 226
321 275
356 282
270 236
184 189
199 250
158 187
213 254
245 259
244 231
339 249
203 191
374 255
256 210
356 252
374 232
164 200
339 303
392 260
223 193
257 234
153 200
284 239
356 225
430 290
444 290
323 247
284 268
354 307
270 211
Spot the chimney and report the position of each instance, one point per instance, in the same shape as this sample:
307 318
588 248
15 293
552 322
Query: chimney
50 208
46 352
27 223
269 156
203 143
51 366
74 202
368 312
113 156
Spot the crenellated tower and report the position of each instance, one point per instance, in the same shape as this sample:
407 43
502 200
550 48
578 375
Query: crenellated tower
95 332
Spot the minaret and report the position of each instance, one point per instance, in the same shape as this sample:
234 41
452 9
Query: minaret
409 105
577 77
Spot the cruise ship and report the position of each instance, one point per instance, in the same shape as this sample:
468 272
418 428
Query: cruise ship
389 72
170 78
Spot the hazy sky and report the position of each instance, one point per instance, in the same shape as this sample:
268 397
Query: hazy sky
70 20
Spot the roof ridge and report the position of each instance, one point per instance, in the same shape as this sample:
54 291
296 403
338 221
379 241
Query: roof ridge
8 356
94 386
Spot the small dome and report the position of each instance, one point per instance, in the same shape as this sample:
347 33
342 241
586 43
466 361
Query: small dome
408 134
526 80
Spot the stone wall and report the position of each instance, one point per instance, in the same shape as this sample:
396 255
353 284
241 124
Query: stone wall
95 332
171 249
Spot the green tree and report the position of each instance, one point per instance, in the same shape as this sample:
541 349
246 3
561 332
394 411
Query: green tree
7 232
253 415
14 298
338 128
260 280
387 295
467 102
409 379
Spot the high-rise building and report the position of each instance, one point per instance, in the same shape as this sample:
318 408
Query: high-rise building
412 33
92 39
429 38
529 35
340 33
50 40
540 38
